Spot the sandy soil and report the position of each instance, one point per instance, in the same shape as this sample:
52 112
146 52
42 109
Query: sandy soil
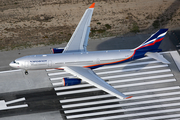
26 23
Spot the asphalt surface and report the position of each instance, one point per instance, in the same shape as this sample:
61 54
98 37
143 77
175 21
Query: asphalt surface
38 101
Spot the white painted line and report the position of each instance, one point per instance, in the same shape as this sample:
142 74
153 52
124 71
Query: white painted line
73 86
57 84
117 100
126 93
135 74
145 83
160 117
173 119
142 78
115 106
115 81
125 75
119 86
17 106
14 101
132 69
2 105
11 71
176 58
136 114
50 69
121 110
58 73
152 90
155 95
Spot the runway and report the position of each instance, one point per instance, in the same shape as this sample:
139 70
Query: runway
154 86
40 95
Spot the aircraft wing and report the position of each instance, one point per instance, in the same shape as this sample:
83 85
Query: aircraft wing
89 76
79 39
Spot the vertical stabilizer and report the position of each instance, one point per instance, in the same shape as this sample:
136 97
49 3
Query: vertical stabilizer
153 42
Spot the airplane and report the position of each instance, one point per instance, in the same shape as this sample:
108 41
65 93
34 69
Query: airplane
76 60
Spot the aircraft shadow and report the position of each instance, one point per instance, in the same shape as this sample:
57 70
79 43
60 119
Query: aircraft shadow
130 40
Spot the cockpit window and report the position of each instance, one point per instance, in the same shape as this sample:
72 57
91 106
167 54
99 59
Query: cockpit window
15 62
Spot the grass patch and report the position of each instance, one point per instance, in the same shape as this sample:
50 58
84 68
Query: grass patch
98 23
156 24
135 28
107 26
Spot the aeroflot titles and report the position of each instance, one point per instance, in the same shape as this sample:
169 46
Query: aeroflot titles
39 61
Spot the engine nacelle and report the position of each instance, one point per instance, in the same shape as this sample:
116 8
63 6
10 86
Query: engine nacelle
71 81
57 50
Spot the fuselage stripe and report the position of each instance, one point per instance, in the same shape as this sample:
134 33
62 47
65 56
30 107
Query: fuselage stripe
151 44
110 62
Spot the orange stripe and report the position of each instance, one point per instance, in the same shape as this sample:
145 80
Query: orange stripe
92 6
129 97
64 81
59 68
151 44
110 62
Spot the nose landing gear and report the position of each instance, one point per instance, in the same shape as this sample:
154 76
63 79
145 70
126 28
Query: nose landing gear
26 72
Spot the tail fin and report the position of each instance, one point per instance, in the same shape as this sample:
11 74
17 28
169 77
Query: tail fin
153 42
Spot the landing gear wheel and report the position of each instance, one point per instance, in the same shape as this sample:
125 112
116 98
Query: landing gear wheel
26 72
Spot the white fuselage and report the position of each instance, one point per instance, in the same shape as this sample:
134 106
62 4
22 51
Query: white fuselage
49 61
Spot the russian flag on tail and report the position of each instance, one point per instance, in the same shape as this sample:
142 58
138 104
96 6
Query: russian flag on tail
154 41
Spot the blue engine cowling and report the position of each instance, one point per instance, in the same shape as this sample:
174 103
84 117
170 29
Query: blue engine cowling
57 50
71 81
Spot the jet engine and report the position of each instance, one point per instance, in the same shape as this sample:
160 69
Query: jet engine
57 50
71 81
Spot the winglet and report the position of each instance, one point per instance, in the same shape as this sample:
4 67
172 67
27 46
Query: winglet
128 97
92 6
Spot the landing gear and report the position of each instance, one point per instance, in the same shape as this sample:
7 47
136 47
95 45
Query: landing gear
26 72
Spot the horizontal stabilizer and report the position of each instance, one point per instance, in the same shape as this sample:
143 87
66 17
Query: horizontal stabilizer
158 57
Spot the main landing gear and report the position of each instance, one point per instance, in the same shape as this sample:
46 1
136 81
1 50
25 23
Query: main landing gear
26 72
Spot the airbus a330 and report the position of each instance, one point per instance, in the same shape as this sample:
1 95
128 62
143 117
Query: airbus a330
76 60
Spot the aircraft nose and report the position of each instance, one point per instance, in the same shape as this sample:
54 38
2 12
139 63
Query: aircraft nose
12 64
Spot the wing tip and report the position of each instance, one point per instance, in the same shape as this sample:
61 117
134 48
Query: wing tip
128 97
92 6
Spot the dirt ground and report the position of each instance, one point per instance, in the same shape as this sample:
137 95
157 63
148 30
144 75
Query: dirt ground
29 23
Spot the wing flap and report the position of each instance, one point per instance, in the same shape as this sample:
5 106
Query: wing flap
89 76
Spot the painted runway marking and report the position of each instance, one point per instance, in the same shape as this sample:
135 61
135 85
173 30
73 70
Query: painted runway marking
151 83
136 114
118 86
6 105
176 58
10 71
122 110
108 95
